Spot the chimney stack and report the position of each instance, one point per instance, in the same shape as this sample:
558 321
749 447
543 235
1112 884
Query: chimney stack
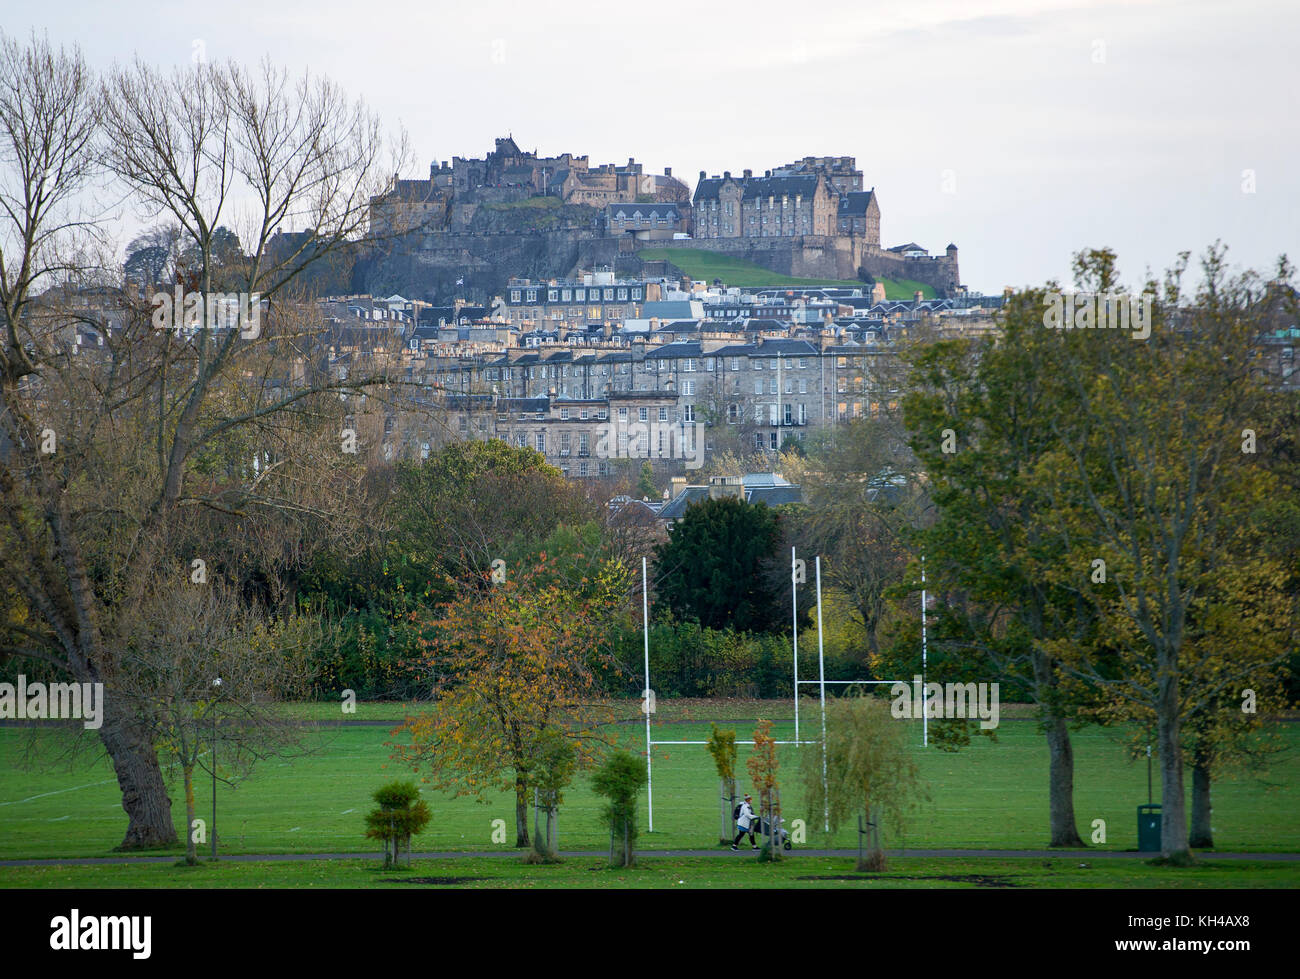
748 174
668 171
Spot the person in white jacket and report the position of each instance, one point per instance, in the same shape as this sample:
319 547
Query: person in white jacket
745 823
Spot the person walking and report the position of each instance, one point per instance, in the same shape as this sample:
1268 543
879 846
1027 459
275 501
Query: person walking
745 823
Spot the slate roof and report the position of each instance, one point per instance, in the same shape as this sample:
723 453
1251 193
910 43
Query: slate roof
523 404
854 204
676 508
757 187
675 309
707 189
674 351
774 495
641 212
784 348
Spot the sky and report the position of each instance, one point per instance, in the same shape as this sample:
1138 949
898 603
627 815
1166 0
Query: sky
1021 130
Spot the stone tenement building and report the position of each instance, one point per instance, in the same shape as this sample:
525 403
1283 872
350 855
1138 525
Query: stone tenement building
557 399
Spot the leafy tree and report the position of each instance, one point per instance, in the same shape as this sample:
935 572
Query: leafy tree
151 257
864 497
714 567
468 504
401 815
1151 479
870 772
510 666
722 747
620 780
645 483
980 416
555 763
763 764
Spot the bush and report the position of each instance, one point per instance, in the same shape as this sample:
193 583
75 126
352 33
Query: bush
401 815
620 780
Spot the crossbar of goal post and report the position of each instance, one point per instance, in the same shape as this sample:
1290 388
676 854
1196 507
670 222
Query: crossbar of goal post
821 680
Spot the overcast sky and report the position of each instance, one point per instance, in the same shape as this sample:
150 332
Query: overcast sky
1021 130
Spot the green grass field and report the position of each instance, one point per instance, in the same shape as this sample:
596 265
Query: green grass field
734 872
990 795
699 263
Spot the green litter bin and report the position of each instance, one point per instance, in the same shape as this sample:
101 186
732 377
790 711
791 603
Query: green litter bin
1149 828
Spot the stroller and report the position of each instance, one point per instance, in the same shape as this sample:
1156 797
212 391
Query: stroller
764 828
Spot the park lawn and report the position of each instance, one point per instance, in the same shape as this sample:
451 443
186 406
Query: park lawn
700 263
734 872
991 795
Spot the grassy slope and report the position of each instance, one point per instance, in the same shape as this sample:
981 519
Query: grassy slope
700 263
991 795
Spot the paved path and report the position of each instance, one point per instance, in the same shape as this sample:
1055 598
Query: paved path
1081 855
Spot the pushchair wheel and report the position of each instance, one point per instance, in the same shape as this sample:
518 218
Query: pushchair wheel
787 845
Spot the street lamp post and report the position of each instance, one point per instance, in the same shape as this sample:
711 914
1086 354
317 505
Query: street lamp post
217 685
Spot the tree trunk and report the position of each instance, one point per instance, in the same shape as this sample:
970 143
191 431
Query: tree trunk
191 853
1060 753
144 793
521 812
1202 835
1173 808
1060 781
873 859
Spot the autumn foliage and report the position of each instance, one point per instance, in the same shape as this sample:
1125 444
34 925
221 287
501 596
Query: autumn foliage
511 664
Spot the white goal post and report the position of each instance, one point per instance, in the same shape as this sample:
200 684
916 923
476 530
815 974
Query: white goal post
820 682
